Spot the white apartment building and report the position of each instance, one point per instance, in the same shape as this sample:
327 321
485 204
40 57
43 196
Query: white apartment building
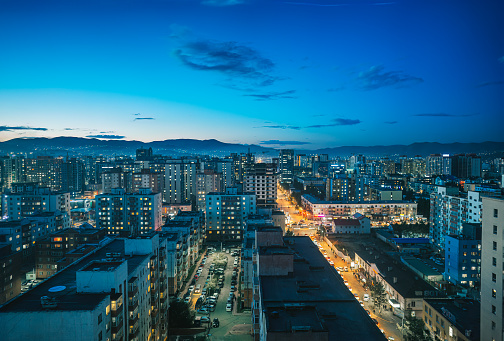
226 213
261 179
129 214
492 277
17 205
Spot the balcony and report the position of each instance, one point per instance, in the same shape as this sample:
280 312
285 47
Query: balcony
133 303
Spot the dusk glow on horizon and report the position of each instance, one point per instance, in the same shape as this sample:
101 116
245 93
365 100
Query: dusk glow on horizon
304 75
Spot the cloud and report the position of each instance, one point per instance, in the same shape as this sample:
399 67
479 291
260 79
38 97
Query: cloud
283 143
337 122
273 95
339 88
314 4
390 122
441 114
10 128
110 137
229 58
138 114
376 78
480 85
143 118
281 127
222 3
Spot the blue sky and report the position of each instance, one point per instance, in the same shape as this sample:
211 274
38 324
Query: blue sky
303 74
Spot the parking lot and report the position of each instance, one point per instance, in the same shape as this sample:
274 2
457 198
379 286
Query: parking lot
219 273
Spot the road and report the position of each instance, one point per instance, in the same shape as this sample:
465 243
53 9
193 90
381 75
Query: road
233 325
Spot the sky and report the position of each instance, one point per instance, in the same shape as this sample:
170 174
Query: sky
283 74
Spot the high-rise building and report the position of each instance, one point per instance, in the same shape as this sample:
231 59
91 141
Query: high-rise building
463 256
466 165
26 199
208 181
286 166
492 263
180 181
226 213
73 176
147 179
448 214
437 164
115 178
129 214
261 179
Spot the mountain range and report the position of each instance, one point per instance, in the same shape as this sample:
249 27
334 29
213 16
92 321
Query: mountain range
177 147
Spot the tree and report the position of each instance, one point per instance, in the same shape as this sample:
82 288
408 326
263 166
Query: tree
180 315
289 233
415 330
379 295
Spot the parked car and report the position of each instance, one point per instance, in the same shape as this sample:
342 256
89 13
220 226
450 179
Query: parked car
215 323
366 297
205 319
229 307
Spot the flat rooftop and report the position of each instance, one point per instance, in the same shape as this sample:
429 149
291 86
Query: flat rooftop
314 282
68 299
464 314
421 266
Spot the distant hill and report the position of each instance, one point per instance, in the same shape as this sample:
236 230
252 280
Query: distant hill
92 146
419 148
178 147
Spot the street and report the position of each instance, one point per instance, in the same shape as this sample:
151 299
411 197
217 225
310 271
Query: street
232 325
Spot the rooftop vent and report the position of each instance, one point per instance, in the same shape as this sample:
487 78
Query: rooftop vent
48 302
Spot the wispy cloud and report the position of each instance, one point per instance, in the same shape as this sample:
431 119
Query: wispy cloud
273 95
390 122
281 127
337 122
480 85
143 118
283 143
376 78
137 114
314 4
109 137
222 3
13 128
442 114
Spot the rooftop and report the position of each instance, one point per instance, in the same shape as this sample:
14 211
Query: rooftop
67 298
346 222
315 283
464 314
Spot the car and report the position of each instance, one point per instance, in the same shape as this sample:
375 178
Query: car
215 323
233 282
187 299
368 312
346 282
390 338
233 288
331 262
205 319
203 310
356 296
346 269
361 303
366 297
191 288
350 288
375 321
229 307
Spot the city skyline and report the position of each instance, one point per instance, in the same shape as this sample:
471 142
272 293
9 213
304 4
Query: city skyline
304 75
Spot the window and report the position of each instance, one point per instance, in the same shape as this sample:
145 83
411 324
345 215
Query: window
494 277
493 325
494 293
494 246
496 213
100 318
494 261
494 229
494 310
